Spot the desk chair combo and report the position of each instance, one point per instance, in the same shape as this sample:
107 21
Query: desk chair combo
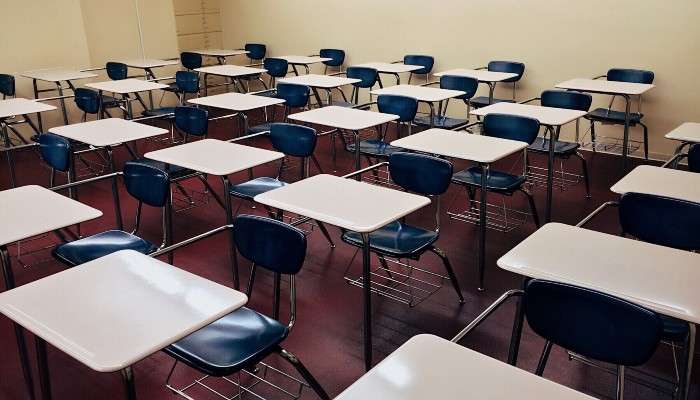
294 141
613 117
562 150
380 149
241 340
451 82
402 243
586 322
117 71
186 82
426 62
513 67
368 78
294 96
503 126
256 52
7 89
337 59
666 222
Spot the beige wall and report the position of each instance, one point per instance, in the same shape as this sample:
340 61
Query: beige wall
80 34
556 39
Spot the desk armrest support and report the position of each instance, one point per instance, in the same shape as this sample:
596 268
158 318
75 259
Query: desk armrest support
486 313
367 169
530 100
596 212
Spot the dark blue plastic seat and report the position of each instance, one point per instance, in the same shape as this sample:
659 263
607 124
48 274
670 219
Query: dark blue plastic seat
337 58
694 158
294 96
148 185
56 151
292 140
117 71
191 60
512 67
506 127
192 120
424 175
426 62
452 82
88 101
256 51
610 116
276 68
375 148
245 337
368 78
7 85
186 82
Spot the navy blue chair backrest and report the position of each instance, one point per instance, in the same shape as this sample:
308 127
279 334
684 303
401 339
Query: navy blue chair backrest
256 51
420 173
367 76
192 120
463 83
293 140
566 99
7 85
147 183
271 244
630 75
511 127
276 67
694 158
117 71
187 81
661 220
403 106
591 323
55 151
337 57
513 67
87 100
293 95
426 62
191 60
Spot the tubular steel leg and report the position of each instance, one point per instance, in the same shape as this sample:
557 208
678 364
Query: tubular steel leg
229 221
358 165
517 331
620 393
543 358
367 296
323 229
688 363
115 188
553 137
8 155
492 87
450 272
482 225
9 278
38 115
43 365
301 369
128 380
63 102
626 134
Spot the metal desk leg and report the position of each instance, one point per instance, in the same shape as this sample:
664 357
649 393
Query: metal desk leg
128 380
294 68
63 102
317 97
19 333
492 87
229 221
367 297
43 366
517 330
357 154
432 115
553 137
115 187
330 96
626 134
150 75
244 118
8 154
398 78
688 363
36 96
101 113
379 81
206 86
482 225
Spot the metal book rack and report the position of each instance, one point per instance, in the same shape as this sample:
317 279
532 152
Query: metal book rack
499 217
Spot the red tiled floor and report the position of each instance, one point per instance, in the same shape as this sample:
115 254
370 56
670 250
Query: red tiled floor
327 336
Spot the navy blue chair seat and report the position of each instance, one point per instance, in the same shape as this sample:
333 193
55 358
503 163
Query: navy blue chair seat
483 101
612 116
236 341
440 121
675 330
396 240
248 190
174 171
375 148
159 112
172 87
99 245
541 145
497 181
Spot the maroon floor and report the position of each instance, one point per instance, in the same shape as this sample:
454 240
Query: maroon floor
327 336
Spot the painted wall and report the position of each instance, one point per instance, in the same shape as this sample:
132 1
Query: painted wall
557 40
